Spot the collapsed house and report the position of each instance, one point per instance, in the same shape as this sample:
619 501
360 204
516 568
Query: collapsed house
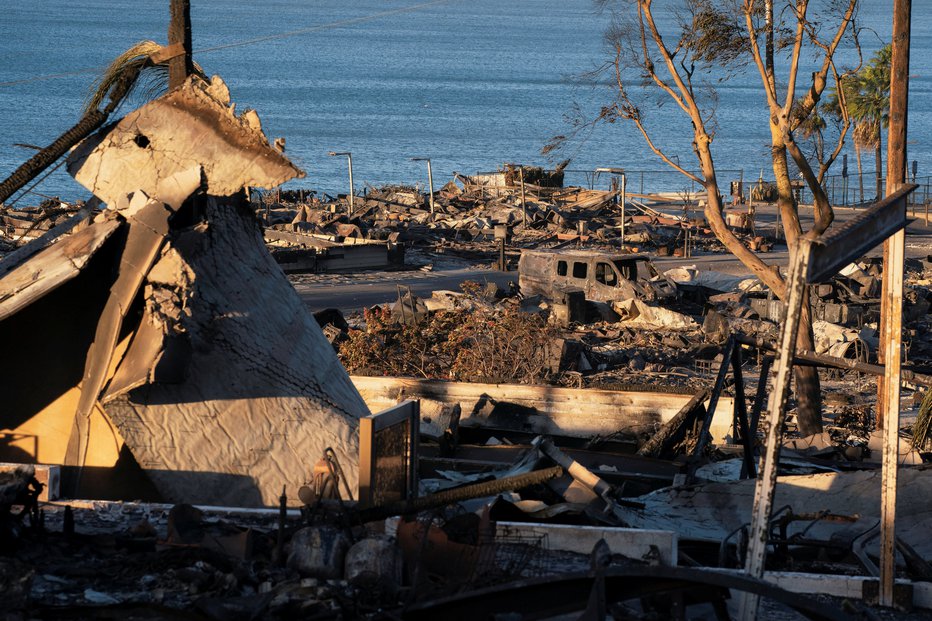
161 352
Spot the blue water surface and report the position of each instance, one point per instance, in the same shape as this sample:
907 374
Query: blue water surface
468 84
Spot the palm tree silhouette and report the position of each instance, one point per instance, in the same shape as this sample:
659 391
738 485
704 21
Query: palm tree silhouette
866 97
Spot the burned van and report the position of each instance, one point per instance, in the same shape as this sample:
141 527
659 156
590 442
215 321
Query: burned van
602 276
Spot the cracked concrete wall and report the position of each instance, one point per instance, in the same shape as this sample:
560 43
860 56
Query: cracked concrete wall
264 393
213 373
192 126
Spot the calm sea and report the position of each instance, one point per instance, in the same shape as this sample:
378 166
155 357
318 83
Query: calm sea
468 84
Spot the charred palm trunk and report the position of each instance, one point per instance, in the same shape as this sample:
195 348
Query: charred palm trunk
50 154
88 124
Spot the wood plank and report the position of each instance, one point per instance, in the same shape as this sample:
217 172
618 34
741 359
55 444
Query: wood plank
571 412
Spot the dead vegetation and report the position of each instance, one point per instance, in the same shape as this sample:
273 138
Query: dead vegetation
491 345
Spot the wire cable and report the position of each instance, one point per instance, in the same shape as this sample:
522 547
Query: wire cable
263 39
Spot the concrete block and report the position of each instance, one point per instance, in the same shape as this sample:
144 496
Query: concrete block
631 542
318 552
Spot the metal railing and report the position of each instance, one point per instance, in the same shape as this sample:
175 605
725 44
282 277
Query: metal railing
847 191
655 181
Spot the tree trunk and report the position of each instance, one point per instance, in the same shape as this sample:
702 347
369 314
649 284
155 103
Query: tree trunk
47 156
878 162
857 154
808 389
808 386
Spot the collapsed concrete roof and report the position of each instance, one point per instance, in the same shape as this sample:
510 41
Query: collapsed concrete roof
161 337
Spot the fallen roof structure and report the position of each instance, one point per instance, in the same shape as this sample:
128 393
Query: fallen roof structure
160 338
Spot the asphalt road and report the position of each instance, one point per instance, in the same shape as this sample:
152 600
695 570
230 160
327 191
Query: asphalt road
349 292
369 289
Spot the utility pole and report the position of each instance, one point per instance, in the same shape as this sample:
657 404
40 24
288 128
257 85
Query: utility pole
891 301
430 180
179 33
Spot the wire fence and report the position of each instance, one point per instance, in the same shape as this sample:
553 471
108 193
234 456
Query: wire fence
667 182
842 191
854 191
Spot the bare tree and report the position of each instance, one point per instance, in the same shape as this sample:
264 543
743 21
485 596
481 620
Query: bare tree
676 55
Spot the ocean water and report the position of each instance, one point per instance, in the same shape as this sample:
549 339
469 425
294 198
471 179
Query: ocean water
468 84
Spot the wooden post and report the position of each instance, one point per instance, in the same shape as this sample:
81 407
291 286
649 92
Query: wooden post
523 199
624 199
179 31
892 301
767 478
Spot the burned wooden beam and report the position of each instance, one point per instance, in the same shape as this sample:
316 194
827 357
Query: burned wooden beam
835 362
458 494
851 240
674 430
179 34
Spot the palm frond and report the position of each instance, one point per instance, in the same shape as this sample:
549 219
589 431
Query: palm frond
133 70
922 429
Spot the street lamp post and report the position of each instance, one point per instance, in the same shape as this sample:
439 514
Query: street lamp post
624 189
430 180
349 159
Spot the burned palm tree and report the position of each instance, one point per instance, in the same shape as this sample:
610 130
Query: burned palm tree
141 66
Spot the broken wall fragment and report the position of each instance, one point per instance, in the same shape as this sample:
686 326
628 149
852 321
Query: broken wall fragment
210 375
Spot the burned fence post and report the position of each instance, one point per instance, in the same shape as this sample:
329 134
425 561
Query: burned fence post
761 395
704 434
748 469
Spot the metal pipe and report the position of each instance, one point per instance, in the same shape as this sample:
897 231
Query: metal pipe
352 191
466 492
430 180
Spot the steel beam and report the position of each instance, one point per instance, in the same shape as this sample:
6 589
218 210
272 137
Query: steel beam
855 237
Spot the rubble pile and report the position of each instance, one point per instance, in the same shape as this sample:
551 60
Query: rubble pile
20 226
467 210
589 443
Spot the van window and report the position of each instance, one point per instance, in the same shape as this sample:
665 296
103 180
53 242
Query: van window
605 274
580 269
627 269
561 268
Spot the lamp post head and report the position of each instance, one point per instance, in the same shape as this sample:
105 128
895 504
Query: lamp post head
333 153
614 171
420 159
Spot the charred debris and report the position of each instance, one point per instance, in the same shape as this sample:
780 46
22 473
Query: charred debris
601 440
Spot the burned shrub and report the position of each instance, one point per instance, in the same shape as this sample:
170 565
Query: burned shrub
486 345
